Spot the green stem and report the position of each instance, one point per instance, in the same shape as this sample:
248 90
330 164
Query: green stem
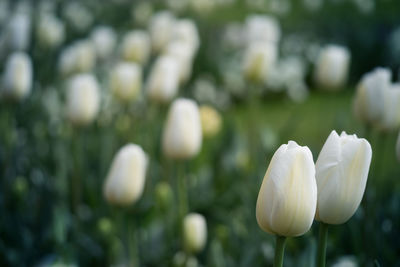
322 242
279 250
182 192
132 244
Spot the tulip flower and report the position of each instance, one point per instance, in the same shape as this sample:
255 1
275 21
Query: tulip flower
77 58
332 67
19 31
182 131
162 84
287 199
211 121
136 47
126 81
262 28
185 30
183 53
391 109
194 232
126 178
341 172
160 29
104 40
83 99
51 31
369 99
18 76
398 147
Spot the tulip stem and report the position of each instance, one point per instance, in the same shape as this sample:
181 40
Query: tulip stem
322 242
182 192
279 250
133 254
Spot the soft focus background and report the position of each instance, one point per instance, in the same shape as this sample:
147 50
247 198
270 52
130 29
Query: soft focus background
52 208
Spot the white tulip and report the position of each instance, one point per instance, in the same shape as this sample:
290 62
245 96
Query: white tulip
51 31
194 232
261 28
126 81
78 15
369 99
332 67
18 76
211 121
398 147
182 134
163 81
183 53
185 30
341 172
136 47
126 178
259 61
287 200
79 57
83 99
160 29
19 31
104 40
391 109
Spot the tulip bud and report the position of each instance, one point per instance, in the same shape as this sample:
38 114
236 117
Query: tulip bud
398 147
341 172
332 67
194 232
183 54
185 30
83 99
259 61
261 28
182 133
369 98
125 180
288 196
79 57
211 121
126 81
161 29
136 47
104 40
163 81
51 31
19 31
391 109
18 76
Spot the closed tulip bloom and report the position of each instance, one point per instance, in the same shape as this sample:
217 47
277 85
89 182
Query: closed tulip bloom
369 98
182 131
262 28
83 99
126 178
104 40
341 172
183 54
398 147
332 67
19 31
194 232
185 30
211 121
259 61
79 57
136 47
160 29
163 81
287 199
391 109
18 76
126 81
51 31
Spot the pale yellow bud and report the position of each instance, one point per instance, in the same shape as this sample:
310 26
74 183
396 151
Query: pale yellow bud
18 76
136 47
126 81
211 121
195 232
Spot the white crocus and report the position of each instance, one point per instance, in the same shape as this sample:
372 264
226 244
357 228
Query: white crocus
160 29
126 178
262 28
18 76
51 31
369 98
182 134
83 99
126 81
136 46
259 61
332 67
341 172
287 199
163 81
195 232
104 40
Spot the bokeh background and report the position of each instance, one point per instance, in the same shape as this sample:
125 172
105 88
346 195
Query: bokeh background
52 208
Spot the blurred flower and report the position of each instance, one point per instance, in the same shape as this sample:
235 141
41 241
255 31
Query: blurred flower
183 54
346 261
104 40
369 98
398 147
185 30
78 15
211 121
79 57
332 67
142 12
162 84
160 29
82 99
51 31
202 7
17 76
313 5
126 178
182 135
341 172
391 109
164 194
262 28
287 200
136 47
194 232
234 36
126 81
259 60
19 31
